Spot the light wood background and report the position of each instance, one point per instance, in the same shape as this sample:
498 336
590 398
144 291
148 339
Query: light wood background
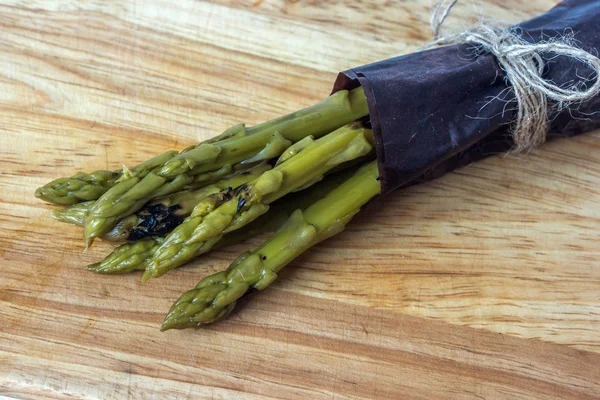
482 284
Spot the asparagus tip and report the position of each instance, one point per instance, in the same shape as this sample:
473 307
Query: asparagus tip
93 267
101 268
168 324
87 241
146 276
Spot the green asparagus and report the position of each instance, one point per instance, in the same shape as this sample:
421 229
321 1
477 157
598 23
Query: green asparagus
79 187
216 216
216 296
84 187
237 145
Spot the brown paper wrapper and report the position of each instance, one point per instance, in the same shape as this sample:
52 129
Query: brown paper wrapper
437 110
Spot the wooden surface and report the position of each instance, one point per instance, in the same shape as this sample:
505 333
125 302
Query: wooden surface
482 284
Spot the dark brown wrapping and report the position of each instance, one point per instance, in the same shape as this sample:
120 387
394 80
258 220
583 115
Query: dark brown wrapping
432 111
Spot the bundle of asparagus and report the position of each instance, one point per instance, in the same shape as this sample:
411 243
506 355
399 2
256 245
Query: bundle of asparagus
302 176
423 114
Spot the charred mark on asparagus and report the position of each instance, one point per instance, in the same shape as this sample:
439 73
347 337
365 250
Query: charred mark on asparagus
156 220
241 203
242 192
226 195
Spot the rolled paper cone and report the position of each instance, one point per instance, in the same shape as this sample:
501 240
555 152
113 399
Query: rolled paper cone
435 110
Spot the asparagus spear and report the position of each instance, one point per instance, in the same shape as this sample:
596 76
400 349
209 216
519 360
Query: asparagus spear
79 187
237 145
215 296
134 256
216 216
84 187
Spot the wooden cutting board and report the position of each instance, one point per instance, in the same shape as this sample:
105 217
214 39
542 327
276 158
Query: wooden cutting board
482 284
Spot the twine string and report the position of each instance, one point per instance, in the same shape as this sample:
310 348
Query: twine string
537 99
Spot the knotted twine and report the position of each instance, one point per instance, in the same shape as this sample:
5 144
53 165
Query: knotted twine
537 99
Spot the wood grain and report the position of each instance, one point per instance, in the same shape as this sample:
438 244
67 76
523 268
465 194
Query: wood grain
482 284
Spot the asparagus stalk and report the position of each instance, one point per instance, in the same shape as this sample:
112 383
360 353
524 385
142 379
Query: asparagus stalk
216 216
237 145
215 296
84 187
79 187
